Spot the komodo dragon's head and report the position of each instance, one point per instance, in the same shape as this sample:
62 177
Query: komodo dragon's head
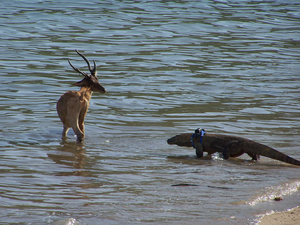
181 140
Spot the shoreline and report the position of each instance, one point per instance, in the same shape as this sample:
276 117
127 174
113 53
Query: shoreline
290 216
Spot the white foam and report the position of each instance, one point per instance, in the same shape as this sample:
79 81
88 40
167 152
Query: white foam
275 191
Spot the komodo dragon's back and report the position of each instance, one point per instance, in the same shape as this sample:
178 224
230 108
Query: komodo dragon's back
235 146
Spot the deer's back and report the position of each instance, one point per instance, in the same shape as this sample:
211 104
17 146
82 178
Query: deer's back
69 101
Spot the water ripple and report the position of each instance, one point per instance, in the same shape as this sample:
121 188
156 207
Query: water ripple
169 67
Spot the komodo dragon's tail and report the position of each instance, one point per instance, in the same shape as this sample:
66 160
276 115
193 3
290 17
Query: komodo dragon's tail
272 153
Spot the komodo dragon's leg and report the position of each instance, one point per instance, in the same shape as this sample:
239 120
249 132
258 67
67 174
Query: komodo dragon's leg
254 156
233 149
199 150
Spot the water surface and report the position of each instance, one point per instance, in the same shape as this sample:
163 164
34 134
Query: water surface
231 67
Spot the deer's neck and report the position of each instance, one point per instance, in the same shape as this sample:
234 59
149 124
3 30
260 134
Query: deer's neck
86 93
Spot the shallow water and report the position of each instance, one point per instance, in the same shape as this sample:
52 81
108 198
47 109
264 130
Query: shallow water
231 67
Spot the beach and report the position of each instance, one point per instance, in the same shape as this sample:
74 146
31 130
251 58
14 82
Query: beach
169 67
288 217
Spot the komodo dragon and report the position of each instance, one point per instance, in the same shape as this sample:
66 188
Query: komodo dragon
230 146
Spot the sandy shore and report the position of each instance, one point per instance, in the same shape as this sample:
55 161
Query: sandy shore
290 217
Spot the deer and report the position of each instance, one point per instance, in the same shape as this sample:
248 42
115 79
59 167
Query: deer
72 106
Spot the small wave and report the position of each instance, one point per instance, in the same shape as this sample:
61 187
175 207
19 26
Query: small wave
69 221
270 193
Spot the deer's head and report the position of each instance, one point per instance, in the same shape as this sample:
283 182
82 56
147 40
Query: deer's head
90 80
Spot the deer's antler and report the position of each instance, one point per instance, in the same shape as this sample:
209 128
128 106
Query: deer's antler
94 70
77 70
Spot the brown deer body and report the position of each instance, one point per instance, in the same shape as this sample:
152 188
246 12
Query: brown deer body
73 105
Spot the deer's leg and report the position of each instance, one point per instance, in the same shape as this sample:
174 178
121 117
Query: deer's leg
83 112
77 130
81 121
73 114
65 130
81 126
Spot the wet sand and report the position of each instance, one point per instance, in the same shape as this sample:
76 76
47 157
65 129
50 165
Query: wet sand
289 217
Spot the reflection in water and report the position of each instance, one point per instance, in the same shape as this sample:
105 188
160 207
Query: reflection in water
230 67
70 153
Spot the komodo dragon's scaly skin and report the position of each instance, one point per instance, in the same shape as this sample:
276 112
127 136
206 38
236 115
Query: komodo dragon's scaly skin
230 146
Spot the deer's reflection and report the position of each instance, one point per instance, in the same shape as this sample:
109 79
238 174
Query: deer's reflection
71 154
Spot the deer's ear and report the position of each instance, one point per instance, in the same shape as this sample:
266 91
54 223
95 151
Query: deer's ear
80 83
77 83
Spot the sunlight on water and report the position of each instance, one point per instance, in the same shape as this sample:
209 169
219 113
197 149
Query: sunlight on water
230 67
270 193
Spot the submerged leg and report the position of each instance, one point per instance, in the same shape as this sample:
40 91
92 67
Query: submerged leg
199 150
73 114
78 132
65 131
233 149
84 108
254 156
